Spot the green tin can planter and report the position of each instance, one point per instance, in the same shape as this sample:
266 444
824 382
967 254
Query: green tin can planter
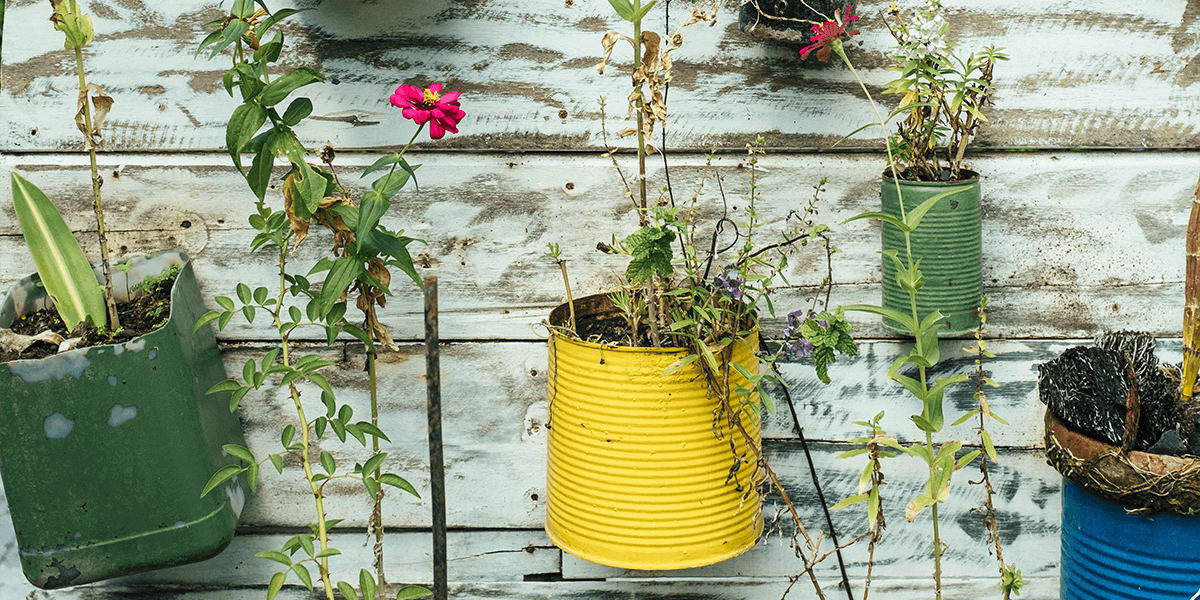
104 450
948 243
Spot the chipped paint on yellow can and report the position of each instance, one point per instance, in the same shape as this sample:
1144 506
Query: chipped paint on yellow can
640 472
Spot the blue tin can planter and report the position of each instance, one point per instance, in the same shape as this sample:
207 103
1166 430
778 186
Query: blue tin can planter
104 450
1110 554
1137 542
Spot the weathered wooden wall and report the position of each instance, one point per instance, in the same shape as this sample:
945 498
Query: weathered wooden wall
1088 174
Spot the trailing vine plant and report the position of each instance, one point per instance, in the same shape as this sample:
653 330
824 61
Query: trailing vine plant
364 250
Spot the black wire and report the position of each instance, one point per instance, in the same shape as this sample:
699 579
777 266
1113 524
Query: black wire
816 482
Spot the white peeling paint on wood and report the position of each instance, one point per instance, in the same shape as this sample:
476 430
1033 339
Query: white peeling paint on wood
521 66
1073 243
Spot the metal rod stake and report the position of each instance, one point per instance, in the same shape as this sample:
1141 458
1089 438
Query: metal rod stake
437 471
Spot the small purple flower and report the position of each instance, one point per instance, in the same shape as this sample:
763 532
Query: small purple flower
795 345
795 320
729 283
798 348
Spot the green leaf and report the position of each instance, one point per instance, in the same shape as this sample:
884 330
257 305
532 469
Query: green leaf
914 216
276 584
963 419
397 481
339 429
373 463
245 122
279 15
411 592
624 9
360 335
239 451
345 270
228 385
242 9
207 318
306 543
367 584
252 476
231 34
966 459
243 293
285 438
328 463
347 590
882 216
905 321
327 552
987 444
372 430
237 396
302 573
279 89
277 462
679 364
221 476
259 176
268 52
357 432
639 15
60 261
852 500
371 485
297 111
278 557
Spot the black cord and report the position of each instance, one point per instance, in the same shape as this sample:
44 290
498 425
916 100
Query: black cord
816 482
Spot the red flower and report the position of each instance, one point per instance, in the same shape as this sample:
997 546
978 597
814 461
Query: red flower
429 104
828 34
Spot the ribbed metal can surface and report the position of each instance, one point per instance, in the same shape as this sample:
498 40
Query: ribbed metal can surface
948 242
640 470
1109 554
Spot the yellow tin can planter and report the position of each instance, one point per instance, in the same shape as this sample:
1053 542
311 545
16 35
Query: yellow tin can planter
640 469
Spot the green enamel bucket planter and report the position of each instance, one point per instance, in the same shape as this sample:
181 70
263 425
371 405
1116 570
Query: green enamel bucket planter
104 450
949 245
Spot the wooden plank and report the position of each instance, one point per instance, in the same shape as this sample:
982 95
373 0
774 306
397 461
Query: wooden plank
1027 502
509 555
495 454
529 79
1054 265
907 589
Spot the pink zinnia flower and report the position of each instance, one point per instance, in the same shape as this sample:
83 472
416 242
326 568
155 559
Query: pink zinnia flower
828 34
429 104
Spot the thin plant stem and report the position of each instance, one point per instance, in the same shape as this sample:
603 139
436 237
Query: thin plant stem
917 333
114 322
305 461
377 514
